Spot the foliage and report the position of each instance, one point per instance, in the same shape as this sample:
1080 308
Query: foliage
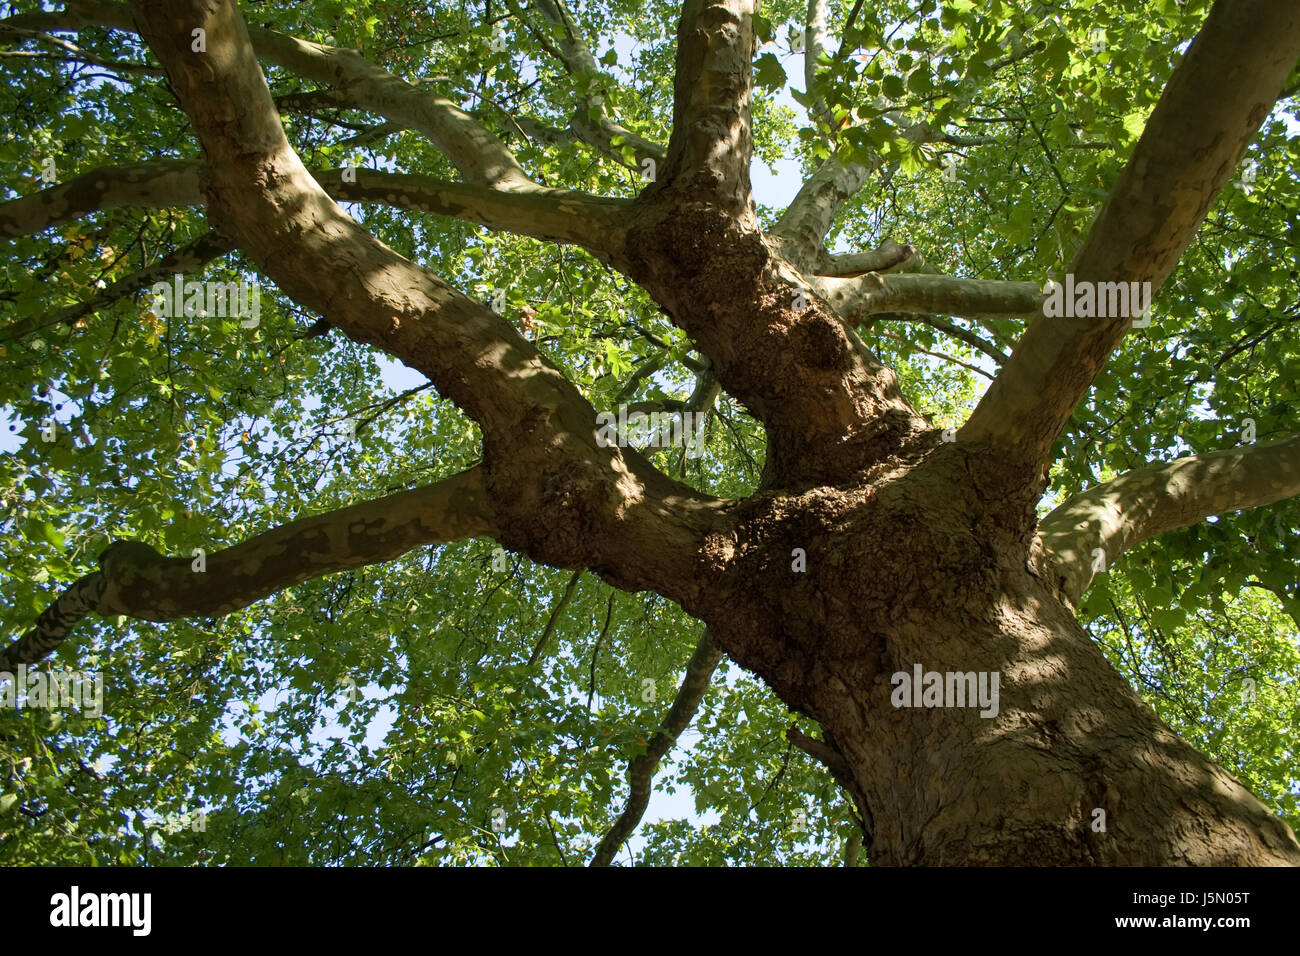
197 432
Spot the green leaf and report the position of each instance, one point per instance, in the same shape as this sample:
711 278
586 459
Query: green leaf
768 72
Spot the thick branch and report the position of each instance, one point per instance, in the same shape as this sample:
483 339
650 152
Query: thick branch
135 580
1125 511
158 184
616 513
554 215
825 754
259 191
808 218
712 138
641 769
1212 107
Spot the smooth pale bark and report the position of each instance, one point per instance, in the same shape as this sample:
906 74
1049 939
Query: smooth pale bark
804 224
1210 110
889 255
135 580
808 218
1122 513
814 47
554 215
599 130
863 296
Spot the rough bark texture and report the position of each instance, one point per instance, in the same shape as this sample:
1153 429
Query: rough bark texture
916 570
919 552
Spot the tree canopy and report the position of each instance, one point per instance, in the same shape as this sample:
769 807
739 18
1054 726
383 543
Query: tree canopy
444 698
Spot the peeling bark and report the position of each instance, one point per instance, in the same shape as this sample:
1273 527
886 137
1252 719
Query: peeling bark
558 215
920 552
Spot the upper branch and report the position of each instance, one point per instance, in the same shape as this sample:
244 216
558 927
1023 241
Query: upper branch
872 293
591 120
813 48
1125 511
712 138
474 150
558 215
560 494
808 218
1211 108
805 222
135 580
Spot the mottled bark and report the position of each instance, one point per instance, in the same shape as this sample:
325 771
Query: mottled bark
135 580
858 298
808 218
1110 518
712 140
158 184
918 552
558 494
558 215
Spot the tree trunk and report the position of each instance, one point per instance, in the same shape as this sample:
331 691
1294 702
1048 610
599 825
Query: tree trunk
1072 769
875 550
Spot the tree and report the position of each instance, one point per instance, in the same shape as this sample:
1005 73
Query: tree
658 425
